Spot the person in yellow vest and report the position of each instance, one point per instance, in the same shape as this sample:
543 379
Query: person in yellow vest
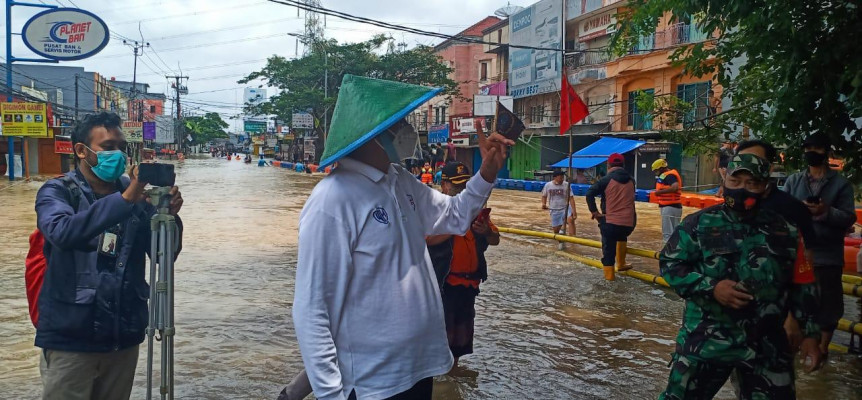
668 188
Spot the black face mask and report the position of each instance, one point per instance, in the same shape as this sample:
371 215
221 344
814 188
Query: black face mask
814 158
741 199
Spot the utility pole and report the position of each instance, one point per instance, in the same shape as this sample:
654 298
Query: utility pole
76 98
179 90
135 45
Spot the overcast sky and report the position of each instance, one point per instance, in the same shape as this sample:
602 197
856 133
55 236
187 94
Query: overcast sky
217 42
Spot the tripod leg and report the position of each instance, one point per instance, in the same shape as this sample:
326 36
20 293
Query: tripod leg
169 328
163 285
154 251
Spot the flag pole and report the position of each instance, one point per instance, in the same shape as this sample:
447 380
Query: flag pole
571 139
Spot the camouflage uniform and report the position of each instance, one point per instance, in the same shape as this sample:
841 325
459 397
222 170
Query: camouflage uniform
714 341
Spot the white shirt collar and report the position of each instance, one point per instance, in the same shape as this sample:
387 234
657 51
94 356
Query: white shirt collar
368 171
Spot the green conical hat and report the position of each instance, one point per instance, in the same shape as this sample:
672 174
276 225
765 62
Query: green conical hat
365 108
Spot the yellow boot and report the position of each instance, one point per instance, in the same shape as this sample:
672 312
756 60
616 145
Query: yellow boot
621 257
609 272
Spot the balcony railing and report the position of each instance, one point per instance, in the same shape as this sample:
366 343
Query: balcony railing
589 58
674 35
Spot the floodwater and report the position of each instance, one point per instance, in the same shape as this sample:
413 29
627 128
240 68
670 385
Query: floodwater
546 327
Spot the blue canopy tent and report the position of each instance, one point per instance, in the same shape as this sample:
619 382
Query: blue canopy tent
598 152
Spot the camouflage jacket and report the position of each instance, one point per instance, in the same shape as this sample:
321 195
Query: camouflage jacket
715 244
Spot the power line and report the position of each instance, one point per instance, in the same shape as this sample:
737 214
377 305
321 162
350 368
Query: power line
209 44
194 13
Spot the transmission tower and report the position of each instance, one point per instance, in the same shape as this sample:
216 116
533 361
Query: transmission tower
314 27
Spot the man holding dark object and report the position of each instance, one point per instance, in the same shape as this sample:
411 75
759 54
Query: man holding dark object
734 265
829 199
460 265
93 301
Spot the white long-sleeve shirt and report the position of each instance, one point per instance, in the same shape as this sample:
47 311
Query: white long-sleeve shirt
367 308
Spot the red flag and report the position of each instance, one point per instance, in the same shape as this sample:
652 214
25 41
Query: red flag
572 108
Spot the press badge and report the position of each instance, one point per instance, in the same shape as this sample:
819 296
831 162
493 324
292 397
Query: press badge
108 244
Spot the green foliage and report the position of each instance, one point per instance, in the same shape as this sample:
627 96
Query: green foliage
206 128
301 80
792 67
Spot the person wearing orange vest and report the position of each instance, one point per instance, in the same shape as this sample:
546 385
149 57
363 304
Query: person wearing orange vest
460 266
668 188
427 176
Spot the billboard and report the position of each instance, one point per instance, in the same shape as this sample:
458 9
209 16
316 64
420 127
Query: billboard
63 145
536 71
65 34
24 119
302 121
134 131
164 129
254 96
250 126
438 134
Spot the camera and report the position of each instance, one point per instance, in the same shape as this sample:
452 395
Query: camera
157 174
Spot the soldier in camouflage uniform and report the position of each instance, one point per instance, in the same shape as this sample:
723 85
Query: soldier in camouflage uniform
733 265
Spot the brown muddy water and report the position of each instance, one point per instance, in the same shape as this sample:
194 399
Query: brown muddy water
546 327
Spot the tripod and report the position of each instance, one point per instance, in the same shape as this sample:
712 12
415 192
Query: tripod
163 248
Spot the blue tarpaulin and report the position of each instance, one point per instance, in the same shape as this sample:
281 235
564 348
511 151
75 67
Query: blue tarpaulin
598 152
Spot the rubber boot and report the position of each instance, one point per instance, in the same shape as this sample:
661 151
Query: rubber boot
609 272
621 257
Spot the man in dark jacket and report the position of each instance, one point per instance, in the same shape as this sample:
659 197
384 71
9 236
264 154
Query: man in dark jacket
93 302
460 266
829 198
617 218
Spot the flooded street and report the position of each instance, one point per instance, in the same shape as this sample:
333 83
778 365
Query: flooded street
546 327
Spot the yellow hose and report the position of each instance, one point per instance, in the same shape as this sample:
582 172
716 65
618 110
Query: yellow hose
843 324
851 289
852 279
577 240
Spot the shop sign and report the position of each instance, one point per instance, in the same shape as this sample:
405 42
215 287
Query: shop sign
598 26
24 119
65 34
63 145
438 134
134 131
149 131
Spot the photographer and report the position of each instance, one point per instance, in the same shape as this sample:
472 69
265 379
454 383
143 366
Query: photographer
93 302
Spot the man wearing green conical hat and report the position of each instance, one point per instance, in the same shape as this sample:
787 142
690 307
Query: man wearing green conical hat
367 308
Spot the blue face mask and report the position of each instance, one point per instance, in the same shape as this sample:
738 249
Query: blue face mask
111 165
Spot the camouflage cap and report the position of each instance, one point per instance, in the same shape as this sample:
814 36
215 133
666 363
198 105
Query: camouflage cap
749 162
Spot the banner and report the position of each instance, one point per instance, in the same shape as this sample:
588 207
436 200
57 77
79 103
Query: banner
164 129
149 131
134 131
536 71
65 34
24 119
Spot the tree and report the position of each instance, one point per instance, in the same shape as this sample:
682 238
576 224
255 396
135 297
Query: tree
301 80
206 128
791 67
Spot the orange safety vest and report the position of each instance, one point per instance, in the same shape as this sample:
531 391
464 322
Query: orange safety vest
667 199
427 178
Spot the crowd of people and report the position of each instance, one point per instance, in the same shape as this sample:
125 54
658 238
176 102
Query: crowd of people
389 301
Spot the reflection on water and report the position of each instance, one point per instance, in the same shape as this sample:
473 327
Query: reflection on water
545 327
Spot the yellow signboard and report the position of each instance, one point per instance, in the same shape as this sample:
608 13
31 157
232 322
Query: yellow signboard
24 119
134 131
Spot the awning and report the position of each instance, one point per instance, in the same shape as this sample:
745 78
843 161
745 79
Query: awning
598 152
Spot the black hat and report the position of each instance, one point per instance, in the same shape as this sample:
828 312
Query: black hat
456 173
558 173
817 140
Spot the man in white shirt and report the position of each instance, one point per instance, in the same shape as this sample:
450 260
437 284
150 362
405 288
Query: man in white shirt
554 198
367 308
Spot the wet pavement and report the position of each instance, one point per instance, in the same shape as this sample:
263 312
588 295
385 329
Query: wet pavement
546 327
